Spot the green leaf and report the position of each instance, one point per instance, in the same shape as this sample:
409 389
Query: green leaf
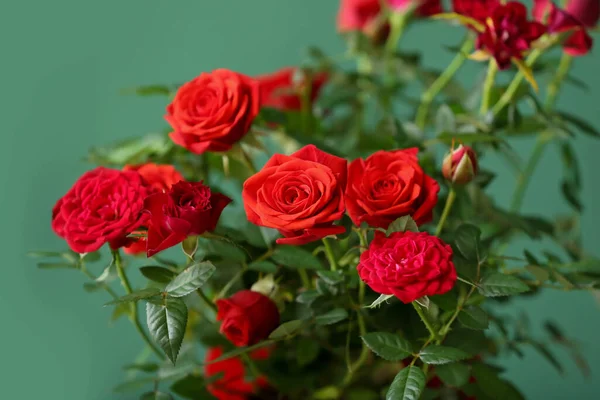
308 297
158 274
583 126
402 224
263 266
307 351
498 284
167 322
49 265
192 278
548 355
296 257
120 310
454 374
381 299
492 385
467 239
434 354
467 340
473 317
331 317
287 329
192 387
156 396
407 385
388 346
135 296
150 90
331 277
146 367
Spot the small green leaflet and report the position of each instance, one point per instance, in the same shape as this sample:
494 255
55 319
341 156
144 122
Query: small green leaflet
498 284
190 279
434 354
402 224
388 346
135 296
407 385
158 274
454 374
286 329
381 299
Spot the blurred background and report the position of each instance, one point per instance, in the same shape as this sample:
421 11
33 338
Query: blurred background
63 66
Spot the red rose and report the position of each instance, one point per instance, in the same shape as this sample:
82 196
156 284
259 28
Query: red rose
234 384
248 317
103 206
213 111
188 208
571 19
477 9
508 33
388 185
408 265
281 90
300 195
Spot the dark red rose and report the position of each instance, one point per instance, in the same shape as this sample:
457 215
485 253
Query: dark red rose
213 111
234 384
408 265
477 9
103 206
283 89
389 185
188 208
571 19
247 317
508 33
460 165
300 195
158 178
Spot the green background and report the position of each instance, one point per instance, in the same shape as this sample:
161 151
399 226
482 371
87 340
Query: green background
63 64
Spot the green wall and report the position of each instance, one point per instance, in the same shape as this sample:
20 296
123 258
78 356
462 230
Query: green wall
63 64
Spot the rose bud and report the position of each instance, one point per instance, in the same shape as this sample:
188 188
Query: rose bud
103 206
247 317
234 383
189 208
460 165
408 265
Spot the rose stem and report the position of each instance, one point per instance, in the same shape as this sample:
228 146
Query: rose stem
488 85
425 320
441 82
206 300
446 212
330 255
134 316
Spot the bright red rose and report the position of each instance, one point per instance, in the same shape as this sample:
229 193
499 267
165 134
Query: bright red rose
103 206
280 89
460 165
234 384
300 195
408 265
389 185
247 317
508 33
159 178
213 111
477 9
570 19
188 208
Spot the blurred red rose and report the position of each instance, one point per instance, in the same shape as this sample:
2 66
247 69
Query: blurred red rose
103 206
213 111
388 185
283 91
188 208
247 317
234 384
300 195
408 265
508 33
476 9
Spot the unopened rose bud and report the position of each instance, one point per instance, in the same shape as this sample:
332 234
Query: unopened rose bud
460 165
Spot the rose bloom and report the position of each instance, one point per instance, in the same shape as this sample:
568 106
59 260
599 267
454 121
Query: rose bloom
575 17
188 208
388 185
213 111
408 265
103 206
280 89
508 33
234 384
247 317
158 178
301 195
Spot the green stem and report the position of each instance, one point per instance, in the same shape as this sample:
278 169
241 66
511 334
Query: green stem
446 212
441 82
304 278
398 22
425 320
561 73
512 88
134 316
364 351
488 85
206 300
329 254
